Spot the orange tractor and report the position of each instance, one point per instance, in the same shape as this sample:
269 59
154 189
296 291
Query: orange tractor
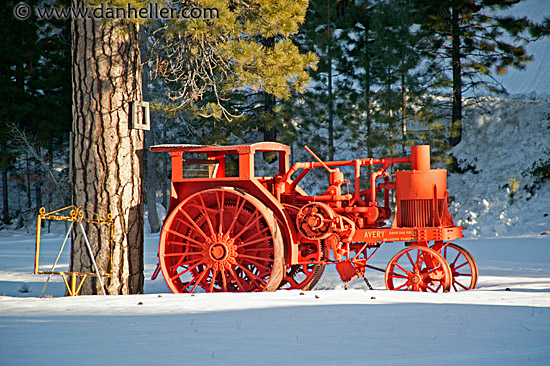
249 233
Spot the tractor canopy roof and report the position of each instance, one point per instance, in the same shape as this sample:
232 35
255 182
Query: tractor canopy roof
229 149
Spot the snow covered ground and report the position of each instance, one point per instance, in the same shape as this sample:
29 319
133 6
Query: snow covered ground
505 321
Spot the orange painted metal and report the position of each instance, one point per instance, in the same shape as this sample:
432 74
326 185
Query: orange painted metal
337 226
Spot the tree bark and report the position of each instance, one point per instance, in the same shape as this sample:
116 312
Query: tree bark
107 152
5 201
329 86
368 95
456 121
151 176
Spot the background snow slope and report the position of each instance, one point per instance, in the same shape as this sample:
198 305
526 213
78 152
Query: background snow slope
535 79
501 140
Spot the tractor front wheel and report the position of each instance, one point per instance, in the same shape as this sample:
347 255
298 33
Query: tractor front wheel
418 268
463 267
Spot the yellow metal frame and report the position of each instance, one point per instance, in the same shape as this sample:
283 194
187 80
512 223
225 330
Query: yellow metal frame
72 214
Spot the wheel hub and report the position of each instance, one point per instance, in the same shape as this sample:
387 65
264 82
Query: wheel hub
220 251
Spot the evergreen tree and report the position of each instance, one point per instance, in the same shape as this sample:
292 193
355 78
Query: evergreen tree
476 41
235 67
403 83
35 89
373 79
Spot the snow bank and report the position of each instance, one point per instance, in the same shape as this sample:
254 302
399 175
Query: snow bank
501 140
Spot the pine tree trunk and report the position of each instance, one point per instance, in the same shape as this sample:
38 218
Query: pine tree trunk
107 153
368 91
5 201
329 86
330 111
38 185
456 121
151 176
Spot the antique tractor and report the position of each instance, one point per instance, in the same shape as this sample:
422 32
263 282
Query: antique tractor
249 233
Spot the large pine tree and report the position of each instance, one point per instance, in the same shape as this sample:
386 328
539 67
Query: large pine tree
107 167
236 67
35 87
476 41
373 78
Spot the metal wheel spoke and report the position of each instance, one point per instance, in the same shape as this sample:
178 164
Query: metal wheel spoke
236 277
237 213
192 227
252 276
195 244
185 271
256 217
168 255
395 275
251 257
258 265
454 261
403 269
403 285
179 263
261 249
462 265
224 280
213 280
460 284
224 241
431 289
206 215
260 232
196 280
411 260
221 205
193 223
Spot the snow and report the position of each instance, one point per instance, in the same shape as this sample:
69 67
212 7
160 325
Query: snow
327 326
535 78
501 140
504 321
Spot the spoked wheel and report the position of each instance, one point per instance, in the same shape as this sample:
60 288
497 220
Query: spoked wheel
298 276
463 267
418 269
221 240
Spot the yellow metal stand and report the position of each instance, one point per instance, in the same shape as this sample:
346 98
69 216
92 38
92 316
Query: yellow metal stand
75 215
73 291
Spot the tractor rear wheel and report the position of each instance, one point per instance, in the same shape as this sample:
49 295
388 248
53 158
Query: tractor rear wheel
223 240
418 268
